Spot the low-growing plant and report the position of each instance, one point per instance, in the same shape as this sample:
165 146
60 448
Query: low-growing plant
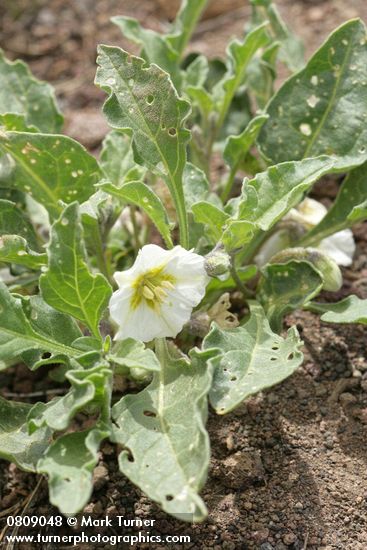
102 260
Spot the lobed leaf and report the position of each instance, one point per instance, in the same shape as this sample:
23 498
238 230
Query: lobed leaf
236 147
14 249
249 359
310 114
68 285
21 93
132 354
166 447
285 287
349 310
69 465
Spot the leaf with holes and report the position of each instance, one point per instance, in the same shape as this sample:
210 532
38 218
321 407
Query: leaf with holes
21 93
69 463
350 310
16 445
68 285
348 208
285 287
143 99
50 168
136 192
310 115
162 431
249 359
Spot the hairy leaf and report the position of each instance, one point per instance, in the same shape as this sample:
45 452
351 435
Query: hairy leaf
22 93
349 310
310 114
136 192
280 188
69 465
249 359
87 385
16 445
143 99
286 287
14 249
49 168
132 354
210 215
236 147
68 285
14 221
162 430
117 160
17 334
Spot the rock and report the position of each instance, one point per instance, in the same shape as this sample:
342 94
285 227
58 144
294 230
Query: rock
88 126
346 399
242 469
289 538
100 477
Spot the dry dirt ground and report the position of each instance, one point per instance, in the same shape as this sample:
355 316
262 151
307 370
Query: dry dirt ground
289 468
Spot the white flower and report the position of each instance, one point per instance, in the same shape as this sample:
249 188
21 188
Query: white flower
340 246
157 294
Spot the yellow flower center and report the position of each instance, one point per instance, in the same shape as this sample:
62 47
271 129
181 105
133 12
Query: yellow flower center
152 286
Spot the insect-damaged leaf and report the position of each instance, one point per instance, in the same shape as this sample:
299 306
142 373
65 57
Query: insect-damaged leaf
69 465
249 359
311 113
50 168
68 285
162 430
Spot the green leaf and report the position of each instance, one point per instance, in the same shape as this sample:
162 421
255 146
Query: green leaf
16 445
196 72
286 287
310 114
51 324
143 99
69 465
348 208
117 159
214 218
15 123
155 47
239 56
131 354
50 168
249 359
162 431
280 188
68 285
14 249
349 310
236 147
17 334
237 234
196 185
136 192
23 94
87 385
184 24
14 221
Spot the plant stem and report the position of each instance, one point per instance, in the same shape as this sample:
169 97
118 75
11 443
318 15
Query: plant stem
135 228
99 251
229 184
187 22
245 291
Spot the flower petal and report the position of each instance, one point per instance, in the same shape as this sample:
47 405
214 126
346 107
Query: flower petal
340 247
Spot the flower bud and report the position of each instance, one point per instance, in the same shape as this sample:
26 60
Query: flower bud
217 262
329 270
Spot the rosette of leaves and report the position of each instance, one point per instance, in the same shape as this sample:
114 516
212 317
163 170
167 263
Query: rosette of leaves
68 221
